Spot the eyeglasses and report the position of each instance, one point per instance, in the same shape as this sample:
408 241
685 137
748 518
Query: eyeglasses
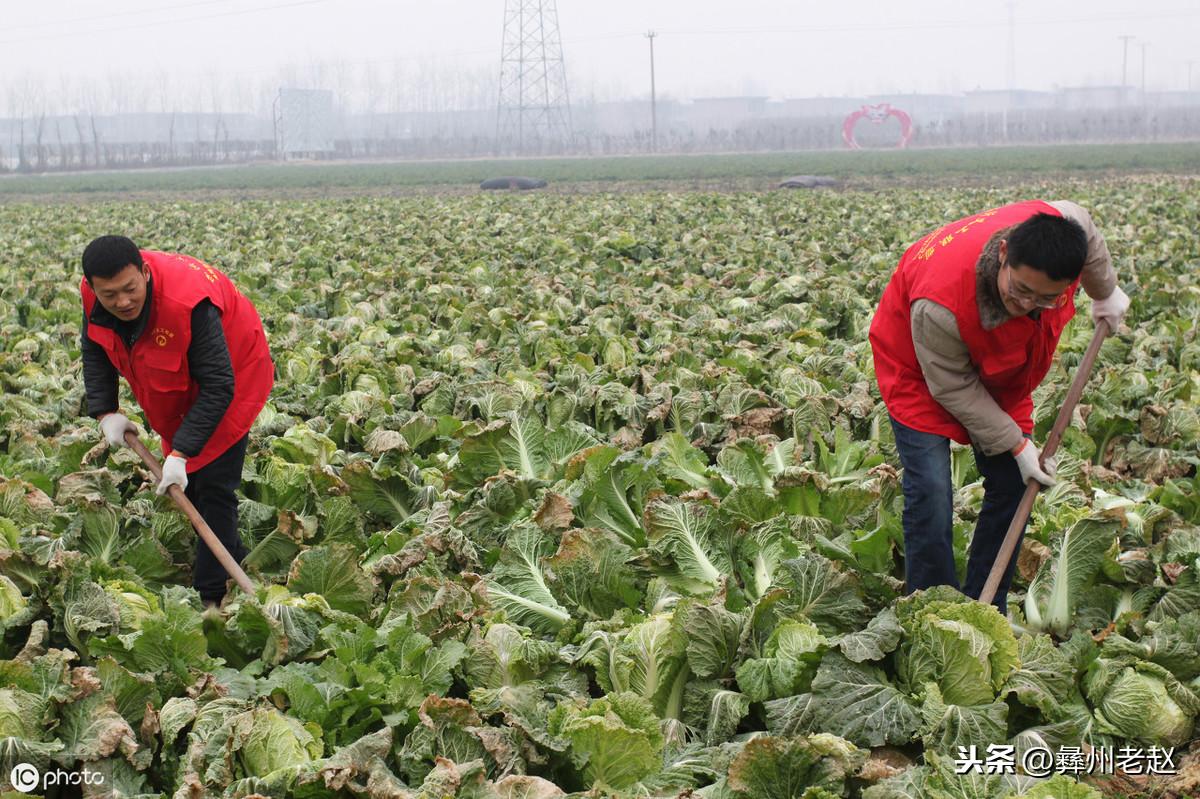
1027 296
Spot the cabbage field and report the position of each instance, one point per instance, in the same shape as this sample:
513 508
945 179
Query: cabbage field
592 495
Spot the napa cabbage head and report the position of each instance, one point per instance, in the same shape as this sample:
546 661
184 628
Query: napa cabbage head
19 712
964 647
273 741
12 602
134 603
1142 702
615 741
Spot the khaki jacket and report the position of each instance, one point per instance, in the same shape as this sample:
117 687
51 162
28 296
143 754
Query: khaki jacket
952 378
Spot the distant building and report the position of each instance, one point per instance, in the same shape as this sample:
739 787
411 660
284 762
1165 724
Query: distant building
923 108
816 107
1087 98
619 117
304 122
1173 99
726 112
995 101
403 126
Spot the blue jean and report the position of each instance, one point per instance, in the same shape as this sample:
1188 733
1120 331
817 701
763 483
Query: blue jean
928 516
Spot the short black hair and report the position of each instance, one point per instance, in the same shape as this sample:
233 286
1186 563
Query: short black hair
108 255
1051 244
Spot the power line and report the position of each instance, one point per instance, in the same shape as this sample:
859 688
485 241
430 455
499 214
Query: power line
159 23
111 14
960 23
855 27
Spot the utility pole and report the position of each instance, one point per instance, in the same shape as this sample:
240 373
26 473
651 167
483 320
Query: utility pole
1012 62
1144 46
1124 65
653 98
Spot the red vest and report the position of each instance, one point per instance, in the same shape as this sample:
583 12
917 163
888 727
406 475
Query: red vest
1011 359
157 365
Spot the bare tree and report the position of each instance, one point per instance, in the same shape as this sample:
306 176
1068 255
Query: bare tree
28 106
396 84
168 107
75 99
90 105
373 86
37 107
216 104
15 102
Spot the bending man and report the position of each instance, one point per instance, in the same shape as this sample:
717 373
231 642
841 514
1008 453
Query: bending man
193 350
965 331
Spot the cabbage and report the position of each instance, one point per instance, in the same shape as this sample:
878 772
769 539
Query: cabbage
1053 597
134 603
16 716
615 740
275 741
12 602
1143 702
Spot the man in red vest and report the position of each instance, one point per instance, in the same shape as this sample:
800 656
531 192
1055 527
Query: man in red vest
964 333
193 351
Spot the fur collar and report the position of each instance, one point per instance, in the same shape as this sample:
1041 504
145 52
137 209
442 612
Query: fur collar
992 313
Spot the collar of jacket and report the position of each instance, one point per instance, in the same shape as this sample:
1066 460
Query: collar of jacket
127 330
992 312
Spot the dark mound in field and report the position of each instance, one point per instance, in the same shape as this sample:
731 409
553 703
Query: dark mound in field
512 183
808 182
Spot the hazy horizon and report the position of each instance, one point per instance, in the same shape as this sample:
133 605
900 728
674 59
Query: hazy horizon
450 51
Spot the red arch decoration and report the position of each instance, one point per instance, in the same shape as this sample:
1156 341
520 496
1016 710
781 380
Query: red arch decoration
876 114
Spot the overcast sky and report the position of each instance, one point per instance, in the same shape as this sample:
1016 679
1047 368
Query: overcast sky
780 49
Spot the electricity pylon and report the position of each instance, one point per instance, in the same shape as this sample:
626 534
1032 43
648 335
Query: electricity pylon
534 109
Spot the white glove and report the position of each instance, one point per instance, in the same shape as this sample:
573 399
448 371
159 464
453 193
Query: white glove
1111 309
174 472
1027 462
113 426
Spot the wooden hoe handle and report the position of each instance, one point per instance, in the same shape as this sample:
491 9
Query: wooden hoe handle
1033 486
214 544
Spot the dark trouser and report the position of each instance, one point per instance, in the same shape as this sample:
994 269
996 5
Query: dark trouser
929 514
212 489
